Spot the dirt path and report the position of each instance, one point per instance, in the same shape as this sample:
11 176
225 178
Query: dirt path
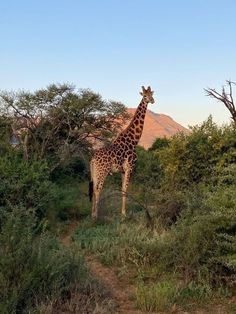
121 291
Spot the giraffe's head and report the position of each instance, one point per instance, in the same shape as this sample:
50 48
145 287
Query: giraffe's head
147 95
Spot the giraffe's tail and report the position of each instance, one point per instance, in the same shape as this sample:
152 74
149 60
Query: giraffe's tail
90 191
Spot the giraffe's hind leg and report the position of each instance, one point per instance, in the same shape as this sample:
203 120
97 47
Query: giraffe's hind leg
128 168
98 181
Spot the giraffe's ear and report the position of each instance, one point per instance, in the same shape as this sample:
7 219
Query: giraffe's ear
141 93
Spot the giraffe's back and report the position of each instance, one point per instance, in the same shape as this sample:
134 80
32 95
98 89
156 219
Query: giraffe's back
113 157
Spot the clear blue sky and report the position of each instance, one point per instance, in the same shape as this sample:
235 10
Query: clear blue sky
115 46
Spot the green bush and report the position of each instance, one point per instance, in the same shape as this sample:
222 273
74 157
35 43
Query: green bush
24 183
201 245
34 267
147 169
71 201
159 143
168 205
73 167
5 134
195 158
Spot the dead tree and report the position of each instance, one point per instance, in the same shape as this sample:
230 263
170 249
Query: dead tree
225 97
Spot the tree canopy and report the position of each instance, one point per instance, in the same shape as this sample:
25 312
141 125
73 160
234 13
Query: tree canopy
58 121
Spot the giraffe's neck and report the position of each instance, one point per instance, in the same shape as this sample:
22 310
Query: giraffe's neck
135 128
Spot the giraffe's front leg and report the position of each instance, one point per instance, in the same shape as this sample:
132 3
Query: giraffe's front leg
95 204
125 184
96 196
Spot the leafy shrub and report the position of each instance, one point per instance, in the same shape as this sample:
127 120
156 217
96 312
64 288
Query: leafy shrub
74 167
168 206
159 143
5 134
191 159
147 169
34 267
70 200
25 184
202 243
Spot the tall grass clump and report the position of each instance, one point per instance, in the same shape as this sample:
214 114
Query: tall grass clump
156 296
111 241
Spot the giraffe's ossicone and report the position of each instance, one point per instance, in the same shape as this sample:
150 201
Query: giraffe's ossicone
119 156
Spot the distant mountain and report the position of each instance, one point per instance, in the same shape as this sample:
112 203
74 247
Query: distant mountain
157 125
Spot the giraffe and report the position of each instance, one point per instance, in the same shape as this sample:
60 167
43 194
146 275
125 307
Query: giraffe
119 156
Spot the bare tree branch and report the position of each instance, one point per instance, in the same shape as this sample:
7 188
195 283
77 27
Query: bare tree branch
224 97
